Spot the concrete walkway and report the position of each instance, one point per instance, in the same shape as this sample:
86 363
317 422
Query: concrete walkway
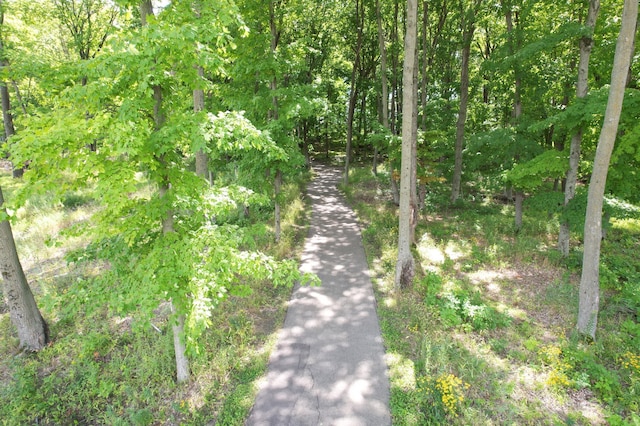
328 367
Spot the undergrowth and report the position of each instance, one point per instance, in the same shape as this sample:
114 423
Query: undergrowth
104 369
486 333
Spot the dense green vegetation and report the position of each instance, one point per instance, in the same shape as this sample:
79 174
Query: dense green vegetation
104 368
486 334
158 153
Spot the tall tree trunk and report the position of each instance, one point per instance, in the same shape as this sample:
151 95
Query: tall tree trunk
395 40
414 143
589 292
7 117
202 166
586 43
514 44
405 264
33 332
275 37
353 93
182 362
384 108
468 25
425 77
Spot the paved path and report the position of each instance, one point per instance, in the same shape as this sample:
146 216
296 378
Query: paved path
328 367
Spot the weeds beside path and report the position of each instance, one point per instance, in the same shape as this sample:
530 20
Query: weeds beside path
485 336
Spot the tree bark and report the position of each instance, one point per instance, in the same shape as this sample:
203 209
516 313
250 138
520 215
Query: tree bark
33 332
415 213
425 78
405 264
582 88
589 292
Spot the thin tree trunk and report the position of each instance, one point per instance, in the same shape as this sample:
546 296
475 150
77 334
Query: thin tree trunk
586 43
19 97
384 108
33 332
517 109
182 362
7 117
202 166
425 78
277 188
405 264
467 37
414 144
275 37
353 93
589 292
395 39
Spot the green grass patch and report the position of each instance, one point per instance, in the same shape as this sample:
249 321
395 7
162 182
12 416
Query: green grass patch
485 336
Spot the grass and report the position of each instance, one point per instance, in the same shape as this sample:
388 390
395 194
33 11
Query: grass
485 335
105 369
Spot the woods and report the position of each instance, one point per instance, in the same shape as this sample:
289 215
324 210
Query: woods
171 141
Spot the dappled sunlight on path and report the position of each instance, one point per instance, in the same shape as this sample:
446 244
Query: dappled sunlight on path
328 367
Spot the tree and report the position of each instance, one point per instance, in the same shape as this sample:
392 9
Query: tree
170 242
32 329
159 118
589 293
582 87
405 264
384 81
88 22
7 116
353 91
468 28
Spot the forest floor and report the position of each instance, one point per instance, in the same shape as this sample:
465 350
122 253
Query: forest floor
486 333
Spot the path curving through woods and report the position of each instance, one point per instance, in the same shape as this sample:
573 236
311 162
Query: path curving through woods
328 367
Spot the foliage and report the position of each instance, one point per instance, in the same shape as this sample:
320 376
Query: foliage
106 368
496 312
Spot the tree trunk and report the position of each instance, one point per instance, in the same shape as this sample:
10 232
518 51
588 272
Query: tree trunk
182 362
202 162
589 292
519 207
7 117
277 183
467 37
414 143
384 108
425 78
395 40
277 186
353 93
405 264
586 43
33 332
514 43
